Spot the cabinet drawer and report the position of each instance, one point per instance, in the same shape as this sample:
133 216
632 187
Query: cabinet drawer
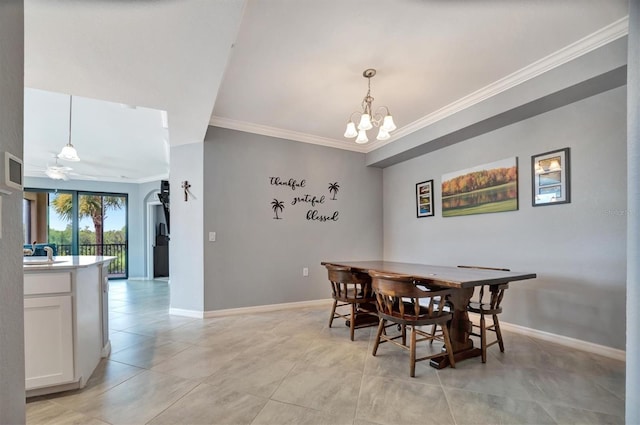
47 283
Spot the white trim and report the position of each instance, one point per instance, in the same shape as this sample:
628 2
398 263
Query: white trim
149 179
566 341
605 35
267 308
138 278
106 350
151 233
599 38
197 314
286 134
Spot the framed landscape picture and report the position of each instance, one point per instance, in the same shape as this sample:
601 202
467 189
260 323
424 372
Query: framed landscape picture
486 188
424 199
550 178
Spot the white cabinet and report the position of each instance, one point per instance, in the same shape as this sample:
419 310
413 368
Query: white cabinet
48 338
63 324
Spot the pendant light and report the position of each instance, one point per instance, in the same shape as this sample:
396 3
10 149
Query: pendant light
68 152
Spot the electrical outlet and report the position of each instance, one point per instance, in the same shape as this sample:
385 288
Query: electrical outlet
305 271
212 236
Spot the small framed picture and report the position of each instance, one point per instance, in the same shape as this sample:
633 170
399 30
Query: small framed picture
550 178
424 199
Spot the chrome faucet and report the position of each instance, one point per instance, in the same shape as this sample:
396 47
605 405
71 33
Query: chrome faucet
49 252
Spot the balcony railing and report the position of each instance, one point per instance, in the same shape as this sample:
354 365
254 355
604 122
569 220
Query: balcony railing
117 267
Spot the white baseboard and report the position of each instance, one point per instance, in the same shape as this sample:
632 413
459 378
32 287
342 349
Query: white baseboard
106 350
566 341
197 314
267 308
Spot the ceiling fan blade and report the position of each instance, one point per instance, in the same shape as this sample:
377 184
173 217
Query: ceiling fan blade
56 174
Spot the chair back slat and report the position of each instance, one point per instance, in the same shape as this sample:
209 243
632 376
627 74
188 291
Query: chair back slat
497 291
398 296
347 284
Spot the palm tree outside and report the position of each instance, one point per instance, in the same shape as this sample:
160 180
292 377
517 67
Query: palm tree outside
275 206
333 188
94 207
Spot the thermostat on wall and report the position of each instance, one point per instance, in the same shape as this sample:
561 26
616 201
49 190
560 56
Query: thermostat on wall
13 171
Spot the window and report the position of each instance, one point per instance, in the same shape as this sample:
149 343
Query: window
80 223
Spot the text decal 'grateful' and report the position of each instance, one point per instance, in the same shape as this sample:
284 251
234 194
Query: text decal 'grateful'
314 201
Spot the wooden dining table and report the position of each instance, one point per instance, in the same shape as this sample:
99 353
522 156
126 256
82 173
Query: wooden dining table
462 280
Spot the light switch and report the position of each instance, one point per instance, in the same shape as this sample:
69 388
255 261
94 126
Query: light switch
212 236
305 271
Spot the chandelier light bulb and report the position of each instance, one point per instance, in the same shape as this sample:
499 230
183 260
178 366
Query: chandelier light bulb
365 122
383 134
351 131
362 137
388 125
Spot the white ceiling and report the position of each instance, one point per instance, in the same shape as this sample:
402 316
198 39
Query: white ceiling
288 68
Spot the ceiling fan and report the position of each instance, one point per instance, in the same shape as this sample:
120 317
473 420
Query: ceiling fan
57 171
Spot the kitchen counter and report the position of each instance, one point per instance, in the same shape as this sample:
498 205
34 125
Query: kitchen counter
66 323
62 262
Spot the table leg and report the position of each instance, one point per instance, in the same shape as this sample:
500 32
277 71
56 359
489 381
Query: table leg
459 330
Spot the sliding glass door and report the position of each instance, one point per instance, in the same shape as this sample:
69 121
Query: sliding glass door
60 222
80 223
103 228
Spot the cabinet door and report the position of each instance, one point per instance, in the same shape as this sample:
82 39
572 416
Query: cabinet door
48 339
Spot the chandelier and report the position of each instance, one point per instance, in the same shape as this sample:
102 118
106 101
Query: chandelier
380 118
68 152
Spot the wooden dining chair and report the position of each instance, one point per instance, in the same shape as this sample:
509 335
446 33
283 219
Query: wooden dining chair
490 307
398 299
353 289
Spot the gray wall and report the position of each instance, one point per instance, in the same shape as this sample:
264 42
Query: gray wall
11 295
577 249
185 249
137 214
258 260
633 232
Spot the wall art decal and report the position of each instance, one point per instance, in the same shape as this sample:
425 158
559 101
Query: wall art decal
334 188
550 179
277 206
291 183
486 188
314 215
309 200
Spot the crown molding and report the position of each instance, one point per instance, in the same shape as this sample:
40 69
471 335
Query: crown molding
149 179
603 36
284 134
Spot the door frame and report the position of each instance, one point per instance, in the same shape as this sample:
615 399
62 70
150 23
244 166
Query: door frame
151 233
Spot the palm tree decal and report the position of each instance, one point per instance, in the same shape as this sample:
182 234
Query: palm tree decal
333 188
275 206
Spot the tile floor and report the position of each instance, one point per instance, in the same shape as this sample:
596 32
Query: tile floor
288 367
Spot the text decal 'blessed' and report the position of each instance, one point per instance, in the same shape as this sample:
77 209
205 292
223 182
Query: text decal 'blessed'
315 201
